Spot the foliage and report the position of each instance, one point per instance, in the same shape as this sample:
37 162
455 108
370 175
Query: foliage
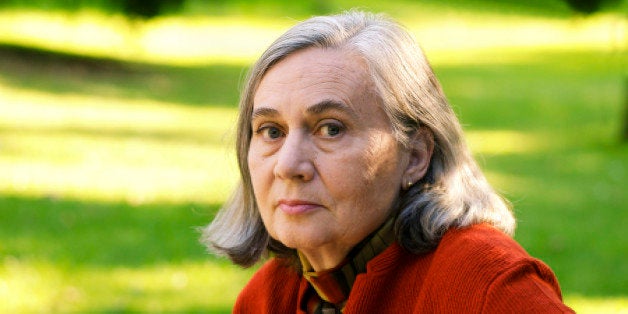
149 8
132 8
590 6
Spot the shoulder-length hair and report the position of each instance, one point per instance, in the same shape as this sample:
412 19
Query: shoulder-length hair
453 193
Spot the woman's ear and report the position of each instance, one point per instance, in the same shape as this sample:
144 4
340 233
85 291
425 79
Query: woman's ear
421 148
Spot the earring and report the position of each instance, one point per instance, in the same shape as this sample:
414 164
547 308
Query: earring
409 184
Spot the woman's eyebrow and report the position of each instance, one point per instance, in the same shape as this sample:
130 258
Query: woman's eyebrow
264 112
328 105
318 108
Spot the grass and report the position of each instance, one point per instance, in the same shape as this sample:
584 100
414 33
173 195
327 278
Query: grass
107 167
63 255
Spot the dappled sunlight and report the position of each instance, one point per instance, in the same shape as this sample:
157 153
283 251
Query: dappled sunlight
239 40
87 33
113 149
495 142
459 41
27 286
208 40
105 177
602 305
173 40
26 108
508 184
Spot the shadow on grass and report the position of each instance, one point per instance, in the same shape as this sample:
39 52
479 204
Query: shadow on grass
559 91
61 73
90 233
179 136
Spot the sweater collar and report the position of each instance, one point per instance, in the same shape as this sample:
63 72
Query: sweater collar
334 285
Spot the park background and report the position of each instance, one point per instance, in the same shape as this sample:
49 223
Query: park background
116 128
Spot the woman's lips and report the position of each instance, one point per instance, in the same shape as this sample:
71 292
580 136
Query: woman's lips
294 207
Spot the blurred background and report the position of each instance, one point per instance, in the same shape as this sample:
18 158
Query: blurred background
117 120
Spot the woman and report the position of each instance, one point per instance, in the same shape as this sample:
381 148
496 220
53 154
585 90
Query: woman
357 181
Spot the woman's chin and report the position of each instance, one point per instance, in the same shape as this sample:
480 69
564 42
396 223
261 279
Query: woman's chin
303 239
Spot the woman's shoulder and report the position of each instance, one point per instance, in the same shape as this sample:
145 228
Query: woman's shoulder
479 249
272 285
483 264
460 248
482 241
477 269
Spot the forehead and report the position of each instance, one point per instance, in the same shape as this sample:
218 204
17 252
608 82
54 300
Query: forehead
315 74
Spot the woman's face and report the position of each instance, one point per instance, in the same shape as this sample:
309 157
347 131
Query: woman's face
324 163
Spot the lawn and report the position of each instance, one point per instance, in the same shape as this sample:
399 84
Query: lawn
107 167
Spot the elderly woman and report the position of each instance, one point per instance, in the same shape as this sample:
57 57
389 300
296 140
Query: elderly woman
358 186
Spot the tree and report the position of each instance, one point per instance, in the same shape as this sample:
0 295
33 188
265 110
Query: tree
146 9
587 7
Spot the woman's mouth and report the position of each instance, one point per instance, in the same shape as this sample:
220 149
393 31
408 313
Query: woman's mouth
295 207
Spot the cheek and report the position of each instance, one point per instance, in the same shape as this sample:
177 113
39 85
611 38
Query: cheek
379 161
261 189
372 177
260 174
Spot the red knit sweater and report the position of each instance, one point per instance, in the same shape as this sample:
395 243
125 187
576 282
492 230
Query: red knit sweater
473 270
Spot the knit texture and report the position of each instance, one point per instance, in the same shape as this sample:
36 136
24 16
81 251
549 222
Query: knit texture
473 270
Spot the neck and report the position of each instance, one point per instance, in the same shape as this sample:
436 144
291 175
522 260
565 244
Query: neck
323 259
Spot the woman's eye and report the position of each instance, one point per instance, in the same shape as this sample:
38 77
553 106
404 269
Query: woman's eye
270 132
330 130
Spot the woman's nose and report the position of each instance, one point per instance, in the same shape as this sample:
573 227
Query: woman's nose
294 159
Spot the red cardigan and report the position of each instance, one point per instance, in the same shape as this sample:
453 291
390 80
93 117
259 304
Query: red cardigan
473 270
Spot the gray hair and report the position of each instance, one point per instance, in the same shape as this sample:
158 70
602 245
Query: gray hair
453 193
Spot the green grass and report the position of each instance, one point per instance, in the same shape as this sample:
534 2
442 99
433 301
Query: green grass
72 255
107 167
29 68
